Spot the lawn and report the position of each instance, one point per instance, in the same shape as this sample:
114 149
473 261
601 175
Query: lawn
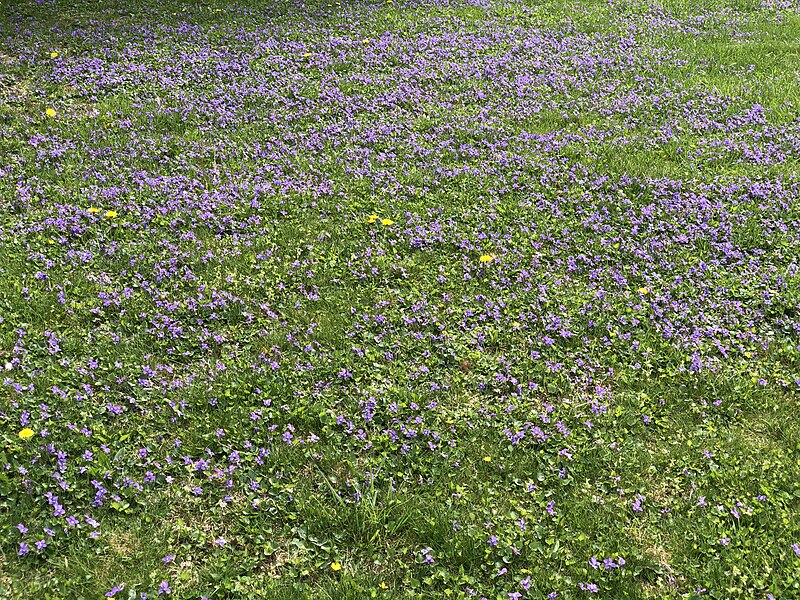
393 299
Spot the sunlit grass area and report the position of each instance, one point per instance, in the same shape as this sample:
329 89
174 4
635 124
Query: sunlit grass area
488 299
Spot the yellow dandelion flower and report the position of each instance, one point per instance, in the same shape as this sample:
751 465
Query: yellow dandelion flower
26 434
336 566
111 214
485 258
387 222
307 54
643 291
50 112
382 585
366 41
372 218
94 210
54 54
487 459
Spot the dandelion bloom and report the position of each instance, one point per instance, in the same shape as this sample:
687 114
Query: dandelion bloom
50 112
372 218
111 214
94 210
487 458
53 54
26 434
336 566
387 221
485 258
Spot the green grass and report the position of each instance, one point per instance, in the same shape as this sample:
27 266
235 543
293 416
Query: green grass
276 386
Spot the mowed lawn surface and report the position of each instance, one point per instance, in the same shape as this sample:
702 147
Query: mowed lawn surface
439 299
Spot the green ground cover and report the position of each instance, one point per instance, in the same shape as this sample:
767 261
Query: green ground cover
432 299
